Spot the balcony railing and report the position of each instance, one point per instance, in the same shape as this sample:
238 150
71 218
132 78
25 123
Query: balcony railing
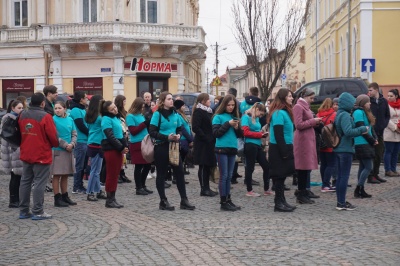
105 31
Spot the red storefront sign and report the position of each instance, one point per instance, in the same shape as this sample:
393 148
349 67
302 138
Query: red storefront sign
18 85
142 65
88 84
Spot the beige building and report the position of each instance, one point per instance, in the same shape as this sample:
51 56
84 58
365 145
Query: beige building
104 47
341 37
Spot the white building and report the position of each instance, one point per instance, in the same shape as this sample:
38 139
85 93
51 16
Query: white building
109 47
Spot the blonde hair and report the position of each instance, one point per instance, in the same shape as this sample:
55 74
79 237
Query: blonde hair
252 111
326 105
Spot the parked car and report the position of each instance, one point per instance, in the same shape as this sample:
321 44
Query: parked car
333 87
190 99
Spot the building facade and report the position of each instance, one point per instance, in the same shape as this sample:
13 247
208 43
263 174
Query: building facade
341 33
107 47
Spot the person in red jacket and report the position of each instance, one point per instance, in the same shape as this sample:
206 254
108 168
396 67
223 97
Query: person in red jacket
38 137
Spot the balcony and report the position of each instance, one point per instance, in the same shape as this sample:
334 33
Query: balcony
106 32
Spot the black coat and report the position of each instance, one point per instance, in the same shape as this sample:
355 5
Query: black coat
280 156
382 114
204 142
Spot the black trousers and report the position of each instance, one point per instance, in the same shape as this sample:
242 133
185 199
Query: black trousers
161 160
252 154
140 174
204 176
302 179
14 187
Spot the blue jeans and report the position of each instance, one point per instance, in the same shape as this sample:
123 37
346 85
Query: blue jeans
344 161
364 169
226 163
80 154
93 185
327 167
390 156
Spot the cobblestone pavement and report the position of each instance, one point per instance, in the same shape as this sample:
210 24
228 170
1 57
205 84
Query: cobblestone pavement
140 234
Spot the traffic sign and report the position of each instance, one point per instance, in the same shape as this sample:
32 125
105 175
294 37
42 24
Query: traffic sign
368 65
283 76
216 82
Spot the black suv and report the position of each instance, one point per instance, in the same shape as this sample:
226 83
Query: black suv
332 87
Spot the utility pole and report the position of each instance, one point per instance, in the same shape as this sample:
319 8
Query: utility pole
216 66
207 84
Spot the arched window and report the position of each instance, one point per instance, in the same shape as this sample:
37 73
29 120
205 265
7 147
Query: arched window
341 57
354 52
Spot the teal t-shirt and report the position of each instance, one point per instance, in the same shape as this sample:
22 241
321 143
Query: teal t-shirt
229 139
254 127
282 118
135 120
361 116
186 126
96 135
169 126
114 123
77 113
64 126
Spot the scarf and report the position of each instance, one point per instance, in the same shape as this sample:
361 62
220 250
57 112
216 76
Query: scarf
395 105
203 107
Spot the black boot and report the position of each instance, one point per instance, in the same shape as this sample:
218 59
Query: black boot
279 200
229 201
225 206
357 192
363 193
115 200
147 190
302 197
166 185
287 204
58 201
110 203
164 205
14 204
294 182
123 176
311 195
185 205
141 191
101 195
206 192
66 198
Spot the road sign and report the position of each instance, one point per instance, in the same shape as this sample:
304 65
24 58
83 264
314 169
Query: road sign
283 76
368 65
216 82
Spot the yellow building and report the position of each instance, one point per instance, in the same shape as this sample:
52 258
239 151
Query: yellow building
342 34
100 46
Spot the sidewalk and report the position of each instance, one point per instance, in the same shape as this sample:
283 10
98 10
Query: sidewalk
140 234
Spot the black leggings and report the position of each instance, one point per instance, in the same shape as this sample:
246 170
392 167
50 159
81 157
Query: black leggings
255 153
204 176
14 187
302 179
140 174
161 160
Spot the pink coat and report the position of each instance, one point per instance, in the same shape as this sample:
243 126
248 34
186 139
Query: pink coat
304 146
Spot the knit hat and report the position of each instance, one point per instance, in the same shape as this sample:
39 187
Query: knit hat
178 104
361 100
335 100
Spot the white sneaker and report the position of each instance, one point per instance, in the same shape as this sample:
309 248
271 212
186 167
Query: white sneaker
149 176
154 175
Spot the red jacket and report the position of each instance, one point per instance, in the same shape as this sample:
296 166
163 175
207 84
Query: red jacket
328 117
38 136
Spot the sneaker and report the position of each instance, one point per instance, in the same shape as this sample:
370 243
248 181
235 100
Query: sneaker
91 197
347 207
154 175
328 189
42 216
48 189
149 176
78 191
268 192
252 194
25 215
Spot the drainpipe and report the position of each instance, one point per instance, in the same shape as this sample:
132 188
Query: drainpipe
349 42
316 40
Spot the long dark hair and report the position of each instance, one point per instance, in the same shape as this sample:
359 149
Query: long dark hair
280 103
222 107
395 93
12 105
119 102
104 107
137 106
93 109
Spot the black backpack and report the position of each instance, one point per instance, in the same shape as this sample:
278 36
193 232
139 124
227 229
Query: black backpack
10 131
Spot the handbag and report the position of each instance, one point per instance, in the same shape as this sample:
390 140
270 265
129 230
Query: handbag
147 146
174 153
214 177
10 131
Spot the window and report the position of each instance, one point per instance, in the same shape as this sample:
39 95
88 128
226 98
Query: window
20 13
353 88
148 11
315 87
89 8
333 88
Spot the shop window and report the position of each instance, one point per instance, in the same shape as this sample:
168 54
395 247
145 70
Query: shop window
148 11
153 85
89 8
20 13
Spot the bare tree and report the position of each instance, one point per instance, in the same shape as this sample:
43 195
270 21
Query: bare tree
268 35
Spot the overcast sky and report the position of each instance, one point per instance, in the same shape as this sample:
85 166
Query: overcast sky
217 21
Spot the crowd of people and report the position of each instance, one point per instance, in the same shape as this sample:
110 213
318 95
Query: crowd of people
61 139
